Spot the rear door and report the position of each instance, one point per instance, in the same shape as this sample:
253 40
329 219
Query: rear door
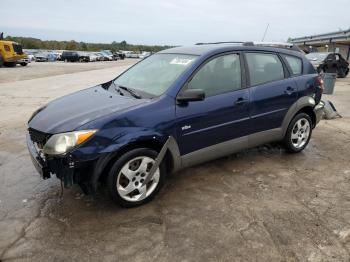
224 113
272 91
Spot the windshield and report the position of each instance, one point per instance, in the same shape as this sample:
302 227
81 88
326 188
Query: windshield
155 74
316 56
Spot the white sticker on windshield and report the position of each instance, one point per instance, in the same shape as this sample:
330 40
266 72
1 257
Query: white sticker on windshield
180 61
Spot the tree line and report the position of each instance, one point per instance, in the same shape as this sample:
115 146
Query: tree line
35 43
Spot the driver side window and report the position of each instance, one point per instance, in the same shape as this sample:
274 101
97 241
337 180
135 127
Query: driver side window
220 75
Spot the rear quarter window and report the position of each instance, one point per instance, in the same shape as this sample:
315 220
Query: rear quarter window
295 64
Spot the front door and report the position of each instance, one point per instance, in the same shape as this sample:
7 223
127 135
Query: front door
224 113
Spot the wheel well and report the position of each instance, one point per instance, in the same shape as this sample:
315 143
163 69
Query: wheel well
151 144
308 110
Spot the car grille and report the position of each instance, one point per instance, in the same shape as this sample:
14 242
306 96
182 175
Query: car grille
38 137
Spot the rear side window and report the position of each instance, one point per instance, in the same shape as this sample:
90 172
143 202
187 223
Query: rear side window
220 75
264 68
295 64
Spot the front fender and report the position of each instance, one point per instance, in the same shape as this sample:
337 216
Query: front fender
131 139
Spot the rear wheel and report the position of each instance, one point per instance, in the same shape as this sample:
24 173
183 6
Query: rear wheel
1 61
10 64
126 177
298 133
23 64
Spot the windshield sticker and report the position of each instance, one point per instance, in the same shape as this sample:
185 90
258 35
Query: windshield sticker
180 61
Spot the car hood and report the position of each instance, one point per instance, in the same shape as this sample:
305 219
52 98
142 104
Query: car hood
72 111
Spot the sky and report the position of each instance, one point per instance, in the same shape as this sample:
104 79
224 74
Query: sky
181 22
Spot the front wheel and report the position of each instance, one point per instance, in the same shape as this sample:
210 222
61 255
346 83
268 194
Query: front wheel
298 133
126 177
23 64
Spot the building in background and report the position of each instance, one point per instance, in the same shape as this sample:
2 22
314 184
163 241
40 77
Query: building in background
338 42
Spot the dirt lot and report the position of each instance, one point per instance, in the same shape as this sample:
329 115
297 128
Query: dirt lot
259 205
45 69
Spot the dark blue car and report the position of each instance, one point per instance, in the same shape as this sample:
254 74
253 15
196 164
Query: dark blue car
174 109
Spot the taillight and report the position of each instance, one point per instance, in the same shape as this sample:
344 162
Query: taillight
319 82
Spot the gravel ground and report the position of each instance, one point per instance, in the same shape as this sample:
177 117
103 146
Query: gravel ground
45 69
258 205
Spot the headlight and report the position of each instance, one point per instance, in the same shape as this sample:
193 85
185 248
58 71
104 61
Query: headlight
62 143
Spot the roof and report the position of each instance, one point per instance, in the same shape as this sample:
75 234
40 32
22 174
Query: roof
7 42
206 49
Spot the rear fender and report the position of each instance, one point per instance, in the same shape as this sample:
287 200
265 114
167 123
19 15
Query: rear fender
305 101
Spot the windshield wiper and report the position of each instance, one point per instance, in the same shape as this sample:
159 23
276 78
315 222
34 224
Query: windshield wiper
130 91
117 89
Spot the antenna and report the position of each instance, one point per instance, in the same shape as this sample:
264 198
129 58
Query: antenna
267 27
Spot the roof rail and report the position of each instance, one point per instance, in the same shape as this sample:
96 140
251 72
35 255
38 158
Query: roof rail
290 46
225 42
283 45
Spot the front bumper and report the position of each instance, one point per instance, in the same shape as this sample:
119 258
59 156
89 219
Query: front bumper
24 60
69 170
319 112
38 160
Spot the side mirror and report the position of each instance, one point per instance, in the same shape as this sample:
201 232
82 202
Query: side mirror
191 95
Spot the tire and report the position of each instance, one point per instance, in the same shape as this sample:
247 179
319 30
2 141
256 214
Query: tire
341 73
10 64
128 192
1 61
298 133
23 64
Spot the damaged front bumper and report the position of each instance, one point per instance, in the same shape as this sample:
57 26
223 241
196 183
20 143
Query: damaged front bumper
69 170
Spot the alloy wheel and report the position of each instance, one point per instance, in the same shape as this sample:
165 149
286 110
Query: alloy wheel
300 133
131 177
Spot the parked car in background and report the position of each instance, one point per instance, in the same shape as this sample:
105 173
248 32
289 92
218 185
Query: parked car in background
31 58
177 108
92 57
41 57
58 55
100 57
75 56
327 62
118 55
143 55
134 55
107 54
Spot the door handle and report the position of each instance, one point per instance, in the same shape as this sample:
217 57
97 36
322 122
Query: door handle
241 101
289 90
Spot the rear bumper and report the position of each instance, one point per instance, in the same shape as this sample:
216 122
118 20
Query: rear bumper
319 112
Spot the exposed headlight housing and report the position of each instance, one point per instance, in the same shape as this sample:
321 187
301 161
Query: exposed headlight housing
61 143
